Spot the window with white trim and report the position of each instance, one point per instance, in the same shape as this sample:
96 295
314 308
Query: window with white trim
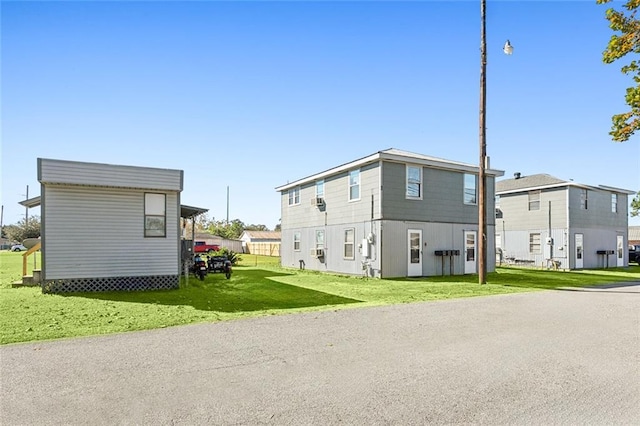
320 188
584 199
414 182
349 243
155 215
534 200
614 203
319 239
534 242
354 185
470 189
294 196
296 241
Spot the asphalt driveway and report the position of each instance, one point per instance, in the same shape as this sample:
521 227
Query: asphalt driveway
553 357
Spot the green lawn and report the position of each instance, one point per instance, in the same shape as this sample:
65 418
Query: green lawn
258 287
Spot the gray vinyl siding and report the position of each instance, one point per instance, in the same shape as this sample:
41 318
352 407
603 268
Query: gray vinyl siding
337 209
334 260
92 232
598 213
436 236
442 196
594 240
93 174
517 216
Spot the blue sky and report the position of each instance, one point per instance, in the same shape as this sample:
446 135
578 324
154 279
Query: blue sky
252 95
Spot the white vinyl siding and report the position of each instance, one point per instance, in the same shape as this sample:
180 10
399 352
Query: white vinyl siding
92 232
116 176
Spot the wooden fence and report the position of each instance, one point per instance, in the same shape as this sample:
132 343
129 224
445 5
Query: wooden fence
264 249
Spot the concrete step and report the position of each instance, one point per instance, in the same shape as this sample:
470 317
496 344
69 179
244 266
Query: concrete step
25 283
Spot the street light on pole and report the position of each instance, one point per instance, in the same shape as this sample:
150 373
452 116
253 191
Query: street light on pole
483 163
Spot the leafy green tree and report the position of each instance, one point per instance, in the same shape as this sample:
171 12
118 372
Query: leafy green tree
229 230
23 229
635 205
625 40
256 228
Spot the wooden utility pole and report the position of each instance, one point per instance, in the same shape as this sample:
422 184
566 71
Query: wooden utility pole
482 207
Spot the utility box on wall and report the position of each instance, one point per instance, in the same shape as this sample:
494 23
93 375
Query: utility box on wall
548 248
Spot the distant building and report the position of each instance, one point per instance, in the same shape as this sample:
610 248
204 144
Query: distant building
261 242
546 221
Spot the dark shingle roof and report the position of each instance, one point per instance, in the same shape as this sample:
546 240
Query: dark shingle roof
528 182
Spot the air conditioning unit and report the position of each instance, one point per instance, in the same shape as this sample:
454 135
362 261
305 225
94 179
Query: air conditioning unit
317 201
317 252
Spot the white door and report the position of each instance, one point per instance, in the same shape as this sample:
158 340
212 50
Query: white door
470 252
414 239
620 251
579 251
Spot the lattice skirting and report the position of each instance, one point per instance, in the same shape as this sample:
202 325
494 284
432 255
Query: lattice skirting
155 282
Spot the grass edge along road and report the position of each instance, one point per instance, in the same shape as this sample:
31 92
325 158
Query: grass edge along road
258 287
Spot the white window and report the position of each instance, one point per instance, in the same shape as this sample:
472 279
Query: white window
534 200
155 217
296 241
414 182
614 203
584 205
319 239
294 196
320 188
497 200
534 243
354 185
470 189
349 239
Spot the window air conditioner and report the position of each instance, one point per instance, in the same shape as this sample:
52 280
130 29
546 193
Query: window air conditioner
317 201
317 252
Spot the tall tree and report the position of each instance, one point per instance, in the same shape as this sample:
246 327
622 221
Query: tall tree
625 40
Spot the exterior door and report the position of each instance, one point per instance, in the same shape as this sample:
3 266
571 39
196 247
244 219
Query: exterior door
414 240
579 251
470 249
620 251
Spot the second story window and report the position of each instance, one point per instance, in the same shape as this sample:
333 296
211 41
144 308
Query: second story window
614 203
534 200
294 196
354 185
584 205
320 188
414 182
470 189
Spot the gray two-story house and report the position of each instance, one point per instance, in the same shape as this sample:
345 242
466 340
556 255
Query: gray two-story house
390 214
545 221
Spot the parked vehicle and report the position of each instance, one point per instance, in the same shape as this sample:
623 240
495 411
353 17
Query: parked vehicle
199 267
634 254
203 247
18 247
220 264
